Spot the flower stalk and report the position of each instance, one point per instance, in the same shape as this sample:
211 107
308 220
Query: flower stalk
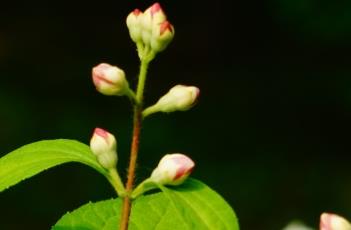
116 182
137 122
151 32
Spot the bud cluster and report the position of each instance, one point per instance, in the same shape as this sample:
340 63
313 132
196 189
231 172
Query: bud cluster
152 32
150 28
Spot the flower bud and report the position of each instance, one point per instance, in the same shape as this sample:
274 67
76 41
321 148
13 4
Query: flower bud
110 80
172 169
157 13
178 98
152 16
104 146
162 35
330 221
134 25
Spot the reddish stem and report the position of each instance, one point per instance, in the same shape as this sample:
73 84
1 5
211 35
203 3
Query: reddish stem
132 165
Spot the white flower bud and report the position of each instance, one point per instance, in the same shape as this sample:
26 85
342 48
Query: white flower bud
134 20
104 146
330 221
172 169
162 35
110 80
178 98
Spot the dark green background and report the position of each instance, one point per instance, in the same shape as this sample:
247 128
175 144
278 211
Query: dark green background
271 132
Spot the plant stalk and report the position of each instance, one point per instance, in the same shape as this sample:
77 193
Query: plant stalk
116 182
137 122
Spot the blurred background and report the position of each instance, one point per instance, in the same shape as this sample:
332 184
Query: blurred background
270 133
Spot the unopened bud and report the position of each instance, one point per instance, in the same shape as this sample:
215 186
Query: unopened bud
178 98
172 169
157 13
110 80
162 35
330 221
134 20
104 146
152 17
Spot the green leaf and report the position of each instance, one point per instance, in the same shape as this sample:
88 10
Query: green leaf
34 158
190 206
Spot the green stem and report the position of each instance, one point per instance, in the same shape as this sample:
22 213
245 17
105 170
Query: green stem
150 110
143 187
116 182
140 49
141 83
131 95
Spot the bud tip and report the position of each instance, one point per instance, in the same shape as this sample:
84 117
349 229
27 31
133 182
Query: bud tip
136 12
155 8
186 166
165 26
101 132
98 74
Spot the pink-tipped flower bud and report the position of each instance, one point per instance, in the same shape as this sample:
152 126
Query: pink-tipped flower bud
172 169
330 221
152 16
104 146
134 21
178 98
110 80
162 35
